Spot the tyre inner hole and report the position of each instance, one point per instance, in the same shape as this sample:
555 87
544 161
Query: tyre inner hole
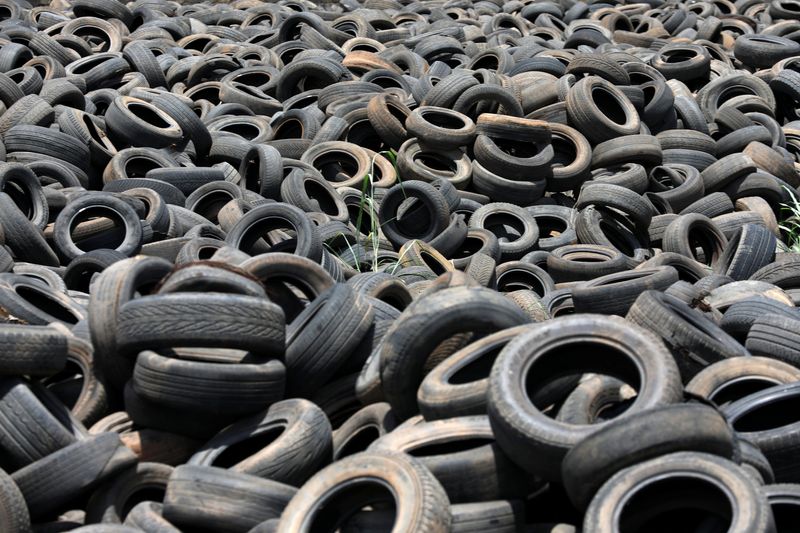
686 274
435 163
680 502
678 56
288 55
45 303
89 64
619 237
318 193
387 82
649 92
584 257
622 23
253 79
506 227
138 167
519 279
360 440
366 47
395 300
244 130
396 112
516 148
478 369
208 92
608 104
366 222
96 134
83 280
579 355
290 128
197 43
449 446
251 91
667 178
314 82
301 103
291 297
148 493
39 67
413 218
776 414
703 246
17 76
733 91
20 197
623 277
737 389
613 409
786 514
336 165
564 150
101 103
147 114
269 235
266 19
469 247
67 384
97 227
98 40
489 61
639 78
246 448
443 120
432 263
550 226
353 498
209 205
205 253
252 173
363 134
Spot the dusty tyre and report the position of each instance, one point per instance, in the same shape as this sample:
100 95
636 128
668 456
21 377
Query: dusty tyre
641 437
420 501
685 480
520 427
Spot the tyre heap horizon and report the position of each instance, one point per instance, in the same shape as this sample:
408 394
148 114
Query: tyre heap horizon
400 266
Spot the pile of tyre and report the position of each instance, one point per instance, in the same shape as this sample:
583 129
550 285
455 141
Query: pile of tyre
393 265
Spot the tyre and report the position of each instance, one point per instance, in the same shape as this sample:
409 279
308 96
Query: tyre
732 379
320 339
54 480
694 340
235 389
642 437
775 436
476 469
686 480
172 320
228 501
420 501
521 427
403 352
287 443
614 294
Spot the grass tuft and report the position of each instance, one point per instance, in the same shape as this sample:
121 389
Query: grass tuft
367 205
790 225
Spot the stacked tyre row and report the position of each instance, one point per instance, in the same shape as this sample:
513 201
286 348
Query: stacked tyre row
424 266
